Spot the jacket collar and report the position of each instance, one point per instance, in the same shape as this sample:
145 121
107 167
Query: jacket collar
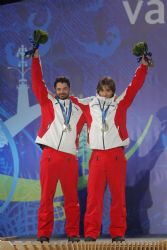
63 102
105 100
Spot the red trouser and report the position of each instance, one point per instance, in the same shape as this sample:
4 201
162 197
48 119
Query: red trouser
106 166
54 166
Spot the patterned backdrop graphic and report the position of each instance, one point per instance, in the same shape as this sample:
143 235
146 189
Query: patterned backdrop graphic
87 40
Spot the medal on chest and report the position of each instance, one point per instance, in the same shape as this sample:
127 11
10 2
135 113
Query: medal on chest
104 127
67 127
66 115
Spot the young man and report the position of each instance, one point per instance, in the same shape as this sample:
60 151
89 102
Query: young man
61 124
107 136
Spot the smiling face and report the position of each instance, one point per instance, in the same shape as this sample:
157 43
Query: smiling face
62 90
62 87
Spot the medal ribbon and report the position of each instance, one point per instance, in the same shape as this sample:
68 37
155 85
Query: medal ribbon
69 110
103 112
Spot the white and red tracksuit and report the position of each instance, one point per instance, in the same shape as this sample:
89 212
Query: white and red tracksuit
58 161
108 163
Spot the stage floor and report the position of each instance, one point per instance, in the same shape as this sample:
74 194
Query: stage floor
135 243
101 239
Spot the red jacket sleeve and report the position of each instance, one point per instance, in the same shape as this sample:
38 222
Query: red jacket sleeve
137 82
81 105
38 85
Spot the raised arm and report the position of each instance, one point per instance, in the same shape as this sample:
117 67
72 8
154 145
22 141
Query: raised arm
38 85
137 82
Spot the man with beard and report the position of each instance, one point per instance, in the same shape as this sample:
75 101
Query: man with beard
61 124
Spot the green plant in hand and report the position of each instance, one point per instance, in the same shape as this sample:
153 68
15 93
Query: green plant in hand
140 49
40 36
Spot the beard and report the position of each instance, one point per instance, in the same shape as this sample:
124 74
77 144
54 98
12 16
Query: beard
63 96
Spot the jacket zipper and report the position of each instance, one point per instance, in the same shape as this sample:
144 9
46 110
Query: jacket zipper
103 140
103 131
61 133
60 140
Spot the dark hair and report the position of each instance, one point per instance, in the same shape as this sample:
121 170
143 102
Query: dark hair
106 81
62 79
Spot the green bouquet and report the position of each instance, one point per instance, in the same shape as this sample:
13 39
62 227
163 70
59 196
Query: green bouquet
39 37
140 49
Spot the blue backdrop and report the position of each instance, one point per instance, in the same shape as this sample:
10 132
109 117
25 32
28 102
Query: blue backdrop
87 40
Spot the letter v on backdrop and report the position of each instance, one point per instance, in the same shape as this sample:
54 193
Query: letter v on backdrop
154 15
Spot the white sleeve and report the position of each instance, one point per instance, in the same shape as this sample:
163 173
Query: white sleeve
86 100
121 97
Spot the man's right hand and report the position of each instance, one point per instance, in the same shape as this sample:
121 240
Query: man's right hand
144 61
36 54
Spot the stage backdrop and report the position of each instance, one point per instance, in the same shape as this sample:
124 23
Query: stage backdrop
87 40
